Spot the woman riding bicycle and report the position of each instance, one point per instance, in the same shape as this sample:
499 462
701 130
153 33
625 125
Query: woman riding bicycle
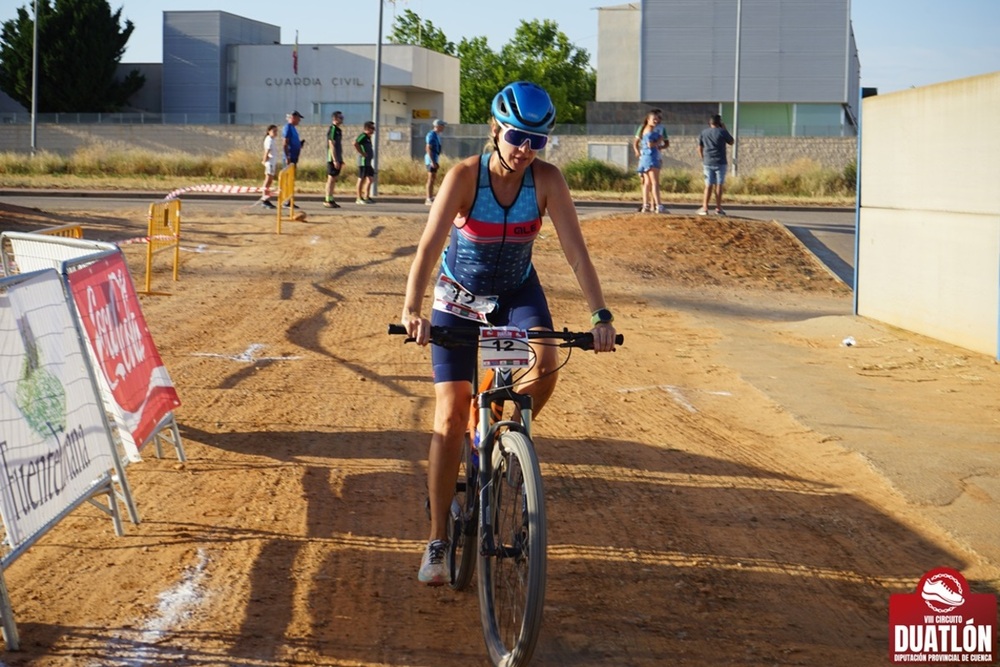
489 211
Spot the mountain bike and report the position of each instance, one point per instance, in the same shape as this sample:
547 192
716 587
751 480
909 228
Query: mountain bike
496 524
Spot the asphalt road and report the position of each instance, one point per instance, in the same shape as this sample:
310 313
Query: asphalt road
827 232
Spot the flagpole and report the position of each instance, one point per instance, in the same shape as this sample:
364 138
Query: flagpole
295 68
34 83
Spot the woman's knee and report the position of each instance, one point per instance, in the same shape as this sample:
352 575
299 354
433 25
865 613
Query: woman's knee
451 413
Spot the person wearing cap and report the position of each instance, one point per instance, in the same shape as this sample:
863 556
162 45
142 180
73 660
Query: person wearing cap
486 218
431 157
292 143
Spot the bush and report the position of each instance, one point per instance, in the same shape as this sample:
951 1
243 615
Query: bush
597 175
802 178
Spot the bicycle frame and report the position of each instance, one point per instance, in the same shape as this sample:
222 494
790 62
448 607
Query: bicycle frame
512 535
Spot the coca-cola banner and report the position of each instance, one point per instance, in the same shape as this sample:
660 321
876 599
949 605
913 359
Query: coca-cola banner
122 345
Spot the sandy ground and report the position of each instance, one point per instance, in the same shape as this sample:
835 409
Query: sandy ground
707 503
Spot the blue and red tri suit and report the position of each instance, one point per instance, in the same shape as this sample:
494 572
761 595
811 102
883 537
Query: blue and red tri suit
489 254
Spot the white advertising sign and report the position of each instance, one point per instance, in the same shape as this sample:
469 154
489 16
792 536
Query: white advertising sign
54 441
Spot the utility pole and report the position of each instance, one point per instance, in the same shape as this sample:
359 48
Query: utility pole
34 83
378 97
736 91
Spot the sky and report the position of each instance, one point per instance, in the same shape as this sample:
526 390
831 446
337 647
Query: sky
901 43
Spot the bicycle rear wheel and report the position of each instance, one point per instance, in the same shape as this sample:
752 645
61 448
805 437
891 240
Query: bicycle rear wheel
512 578
463 520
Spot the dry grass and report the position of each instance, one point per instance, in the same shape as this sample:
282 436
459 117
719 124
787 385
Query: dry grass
123 169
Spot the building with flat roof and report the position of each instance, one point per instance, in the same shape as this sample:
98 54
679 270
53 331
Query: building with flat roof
223 68
799 72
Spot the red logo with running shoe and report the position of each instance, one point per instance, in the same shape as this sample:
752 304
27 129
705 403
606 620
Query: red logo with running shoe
943 621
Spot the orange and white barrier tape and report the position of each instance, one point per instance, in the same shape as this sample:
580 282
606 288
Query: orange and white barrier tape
146 239
226 189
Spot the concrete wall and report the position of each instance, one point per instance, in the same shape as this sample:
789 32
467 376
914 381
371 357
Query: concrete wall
790 51
755 152
929 228
618 29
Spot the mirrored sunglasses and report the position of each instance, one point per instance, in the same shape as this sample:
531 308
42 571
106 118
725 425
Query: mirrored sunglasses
516 137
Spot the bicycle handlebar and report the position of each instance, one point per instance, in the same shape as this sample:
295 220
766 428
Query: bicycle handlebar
461 336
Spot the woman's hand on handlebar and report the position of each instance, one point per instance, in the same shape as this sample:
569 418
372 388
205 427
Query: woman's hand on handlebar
418 328
604 337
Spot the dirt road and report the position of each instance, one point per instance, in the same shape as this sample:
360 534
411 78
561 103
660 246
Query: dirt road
693 518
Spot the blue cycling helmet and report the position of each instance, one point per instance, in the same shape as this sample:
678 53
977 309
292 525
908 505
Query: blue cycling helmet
526 106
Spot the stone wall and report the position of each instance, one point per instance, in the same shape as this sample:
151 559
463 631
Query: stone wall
754 152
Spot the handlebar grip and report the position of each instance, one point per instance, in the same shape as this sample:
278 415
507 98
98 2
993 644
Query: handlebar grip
619 339
397 330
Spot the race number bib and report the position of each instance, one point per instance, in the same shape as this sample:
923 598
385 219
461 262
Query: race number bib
503 347
452 298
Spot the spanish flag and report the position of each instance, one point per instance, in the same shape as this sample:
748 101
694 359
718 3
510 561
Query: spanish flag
295 54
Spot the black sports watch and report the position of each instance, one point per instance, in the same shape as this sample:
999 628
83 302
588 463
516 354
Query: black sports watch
602 316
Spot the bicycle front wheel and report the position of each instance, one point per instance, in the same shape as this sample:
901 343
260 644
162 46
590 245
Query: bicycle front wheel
512 576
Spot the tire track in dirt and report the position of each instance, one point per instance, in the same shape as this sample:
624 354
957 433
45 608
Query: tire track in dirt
692 520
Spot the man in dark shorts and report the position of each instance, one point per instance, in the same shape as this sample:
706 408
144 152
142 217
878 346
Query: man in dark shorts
334 157
366 168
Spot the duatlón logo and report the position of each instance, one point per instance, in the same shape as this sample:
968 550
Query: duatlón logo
943 621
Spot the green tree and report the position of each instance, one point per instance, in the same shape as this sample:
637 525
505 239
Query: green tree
539 52
482 75
408 28
80 43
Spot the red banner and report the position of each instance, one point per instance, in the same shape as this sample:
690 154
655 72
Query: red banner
123 347
943 621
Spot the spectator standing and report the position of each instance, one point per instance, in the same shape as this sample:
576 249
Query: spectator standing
270 162
334 156
292 144
650 140
712 148
432 156
366 170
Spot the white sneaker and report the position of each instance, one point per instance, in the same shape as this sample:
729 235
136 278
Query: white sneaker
433 568
359 201
662 209
702 211
938 591
428 201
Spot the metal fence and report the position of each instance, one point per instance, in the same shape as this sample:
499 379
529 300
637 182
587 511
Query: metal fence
465 130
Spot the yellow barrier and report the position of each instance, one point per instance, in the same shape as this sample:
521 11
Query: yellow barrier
286 192
69 231
164 233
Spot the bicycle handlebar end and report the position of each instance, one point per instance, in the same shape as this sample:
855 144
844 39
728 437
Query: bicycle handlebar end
396 330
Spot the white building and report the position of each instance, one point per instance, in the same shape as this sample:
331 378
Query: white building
799 72
223 68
